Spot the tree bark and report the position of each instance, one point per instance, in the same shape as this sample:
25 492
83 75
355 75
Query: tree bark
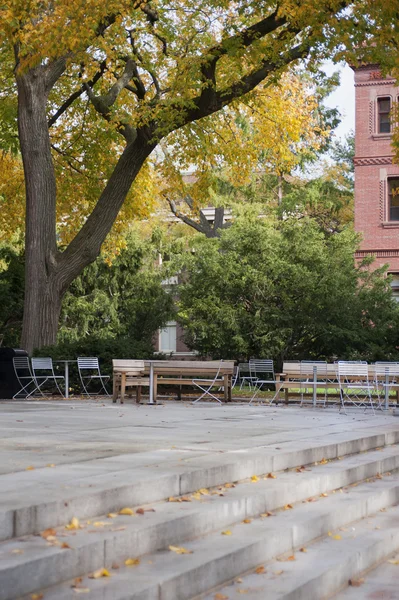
42 303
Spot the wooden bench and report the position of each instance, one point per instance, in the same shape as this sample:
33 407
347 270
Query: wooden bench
184 372
295 375
128 374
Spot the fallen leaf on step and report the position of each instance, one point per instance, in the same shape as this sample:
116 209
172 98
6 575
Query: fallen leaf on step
173 499
229 485
238 580
324 495
184 499
196 496
288 506
130 562
393 561
311 500
323 461
17 551
336 537
99 524
100 573
47 532
302 549
267 514
65 545
271 476
220 597
50 465
112 515
37 596
227 532
239 591
356 582
127 511
141 511
378 476
203 492
82 590
329 533
247 521
74 524
300 469
30 468
278 572
77 581
260 570
254 478
180 550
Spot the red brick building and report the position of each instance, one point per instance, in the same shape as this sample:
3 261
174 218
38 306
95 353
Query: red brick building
376 177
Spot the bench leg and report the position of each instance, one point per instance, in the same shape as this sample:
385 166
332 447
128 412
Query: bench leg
138 394
123 387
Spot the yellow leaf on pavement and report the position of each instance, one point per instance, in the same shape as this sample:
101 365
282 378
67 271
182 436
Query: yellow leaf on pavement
129 562
247 521
356 582
100 573
220 597
229 485
254 478
98 524
324 495
302 549
50 465
203 492
180 550
336 537
323 461
227 532
127 511
393 562
47 532
112 515
37 596
288 506
260 570
30 468
196 496
267 514
271 476
74 524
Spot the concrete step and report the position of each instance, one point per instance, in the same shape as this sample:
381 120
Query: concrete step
32 563
322 568
218 558
53 496
380 583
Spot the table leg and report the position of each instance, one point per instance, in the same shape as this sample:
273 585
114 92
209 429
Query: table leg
123 387
115 388
66 380
226 387
151 383
314 386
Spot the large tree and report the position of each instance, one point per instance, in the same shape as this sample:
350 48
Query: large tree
101 84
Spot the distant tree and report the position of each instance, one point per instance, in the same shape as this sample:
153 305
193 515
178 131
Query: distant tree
285 290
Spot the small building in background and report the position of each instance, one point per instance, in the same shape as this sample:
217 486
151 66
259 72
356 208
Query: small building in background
376 176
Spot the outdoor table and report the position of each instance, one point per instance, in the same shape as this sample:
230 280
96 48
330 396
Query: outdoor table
66 369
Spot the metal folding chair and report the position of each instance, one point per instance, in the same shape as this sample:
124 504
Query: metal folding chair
25 377
43 372
262 373
313 372
354 385
244 378
89 371
206 385
386 379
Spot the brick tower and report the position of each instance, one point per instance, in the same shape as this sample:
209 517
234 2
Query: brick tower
376 177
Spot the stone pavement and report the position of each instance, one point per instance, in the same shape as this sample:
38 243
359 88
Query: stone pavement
87 458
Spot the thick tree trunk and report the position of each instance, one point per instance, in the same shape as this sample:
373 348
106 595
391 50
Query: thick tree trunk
42 299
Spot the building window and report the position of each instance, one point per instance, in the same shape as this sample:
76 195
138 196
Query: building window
393 198
167 337
384 119
395 285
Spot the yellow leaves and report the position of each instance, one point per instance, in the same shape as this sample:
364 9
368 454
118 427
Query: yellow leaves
112 515
99 524
271 476
30 468
229 485
74 524
260 570
356 582
65 546
324 495
288 507
247 521
303 549
180 550
141 511
48 532
100 573
267 514
127 511
219 596
254 478
203 492
50 465
336 537
131 562
227 532
323 461
196 496
37 596
286 558
393 561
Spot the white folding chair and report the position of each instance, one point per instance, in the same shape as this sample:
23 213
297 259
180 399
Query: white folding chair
89 371
313 372
206 385
386 379
354 385
244 368
262 373
43 373
25 377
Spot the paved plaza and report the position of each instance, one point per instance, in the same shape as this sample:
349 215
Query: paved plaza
87 458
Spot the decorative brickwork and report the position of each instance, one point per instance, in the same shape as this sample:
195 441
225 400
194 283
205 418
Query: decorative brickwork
373 160
382 203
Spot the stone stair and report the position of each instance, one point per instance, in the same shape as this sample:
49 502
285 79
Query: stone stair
225 527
